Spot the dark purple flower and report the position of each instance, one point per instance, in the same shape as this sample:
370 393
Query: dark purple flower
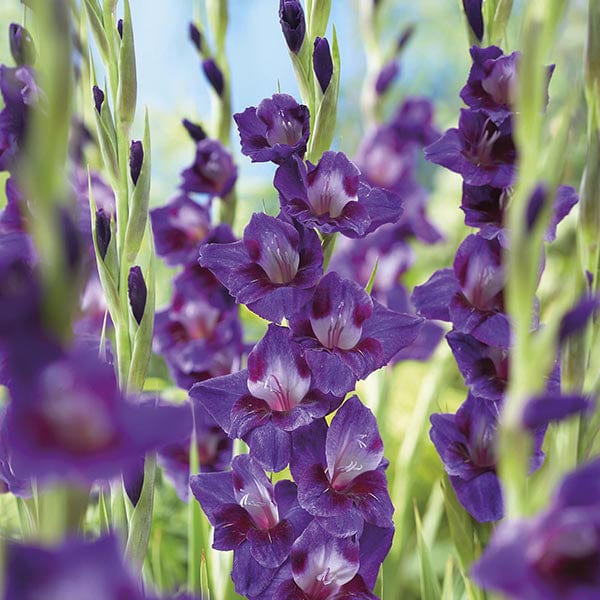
214 449
264 403
198 334
103 234
9 480
214 75
272 270
480 150
213 171
554 555
340 471
76 569
293 25
179 227
484 368
12 217
136 158
474 17
347 335
196 132
484 205
247 510
576 319
565 199
492 81
322 63
22 47
196 37
324 568
549 407
71 422
331 196
137 292
19 91
413 121
388 74
273 131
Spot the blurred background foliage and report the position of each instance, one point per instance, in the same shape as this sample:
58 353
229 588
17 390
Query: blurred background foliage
435 64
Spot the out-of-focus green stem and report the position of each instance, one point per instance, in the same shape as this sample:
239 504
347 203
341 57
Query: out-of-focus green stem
194 527
370 34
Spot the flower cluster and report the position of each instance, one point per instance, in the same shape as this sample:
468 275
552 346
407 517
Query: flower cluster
471 295
325 534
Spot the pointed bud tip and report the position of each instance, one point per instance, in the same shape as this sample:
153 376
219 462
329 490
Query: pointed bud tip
136 158
98 98
322 62
136 287
196 132
120 28
196 37
103 233
214 75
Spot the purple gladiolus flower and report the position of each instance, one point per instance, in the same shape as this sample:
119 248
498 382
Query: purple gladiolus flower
340 471
71 421
293 25
386 77
480 150
322 63
553 406
76 569
270 399
474 17
214 449
178 229
214 75
273 131
272 270
324 568
348 335
331 196
565 199
19 92
257 520
554 555
576 319
213 171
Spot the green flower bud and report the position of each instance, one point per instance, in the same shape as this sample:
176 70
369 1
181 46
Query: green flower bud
127 88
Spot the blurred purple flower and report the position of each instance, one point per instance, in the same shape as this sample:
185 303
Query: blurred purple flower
388 74
213 171
214 75
273 131
272 270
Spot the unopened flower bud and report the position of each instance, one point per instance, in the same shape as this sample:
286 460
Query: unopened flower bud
405 37
22 47
196 37
322 62
136 158
386 77
196 132
103 233
98 98
136 287
293 25
120 28
214 75
474 17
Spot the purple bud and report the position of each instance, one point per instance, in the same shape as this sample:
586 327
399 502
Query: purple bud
474 17
137 293
196 132
214 75
136 158
196 37
293 26
322 62
386 77
535 205
120 28
102 232
22 47
71 239
405 37
98 98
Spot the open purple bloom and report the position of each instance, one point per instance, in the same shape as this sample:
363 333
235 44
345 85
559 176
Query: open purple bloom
71 421
247 510
332 197
554 555
198 334
324 568
264 403
273 131
213 171
484 368
480 150
348 335
178 228
340 471
76 569
19 91
293 25
272 270
214 449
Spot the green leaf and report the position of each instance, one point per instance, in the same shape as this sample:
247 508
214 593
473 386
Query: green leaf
371 281
430 587
319 17
94 14
461 526
127 88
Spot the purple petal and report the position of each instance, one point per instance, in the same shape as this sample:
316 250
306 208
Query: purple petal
433 298
481 496
213 490
541 410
